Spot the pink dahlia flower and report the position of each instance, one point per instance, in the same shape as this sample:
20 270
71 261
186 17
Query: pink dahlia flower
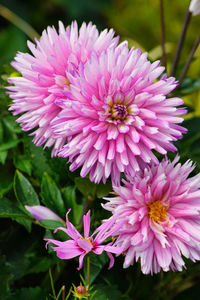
118 114
80 246
44 75
160 208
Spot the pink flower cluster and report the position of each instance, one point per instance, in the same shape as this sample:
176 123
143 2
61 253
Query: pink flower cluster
105 108
100 105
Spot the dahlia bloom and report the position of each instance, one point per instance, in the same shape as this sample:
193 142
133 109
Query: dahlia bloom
194 7
160 208
44 75
40 213
118 114
80 245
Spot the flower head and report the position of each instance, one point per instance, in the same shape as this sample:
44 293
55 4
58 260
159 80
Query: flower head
81 245
118 114
44 75
160 208
194 7
40 213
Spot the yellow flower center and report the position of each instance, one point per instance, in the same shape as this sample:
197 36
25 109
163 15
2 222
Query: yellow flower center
157 211
88 240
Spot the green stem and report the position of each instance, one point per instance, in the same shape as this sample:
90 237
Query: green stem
180 43
52 284
17 21
88 275
184 72
162 20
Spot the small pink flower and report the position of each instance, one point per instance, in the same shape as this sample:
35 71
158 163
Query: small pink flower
80 245
44 75
160 207
118 114
40 213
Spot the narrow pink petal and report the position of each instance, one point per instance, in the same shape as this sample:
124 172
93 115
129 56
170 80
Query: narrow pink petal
86 223
81 261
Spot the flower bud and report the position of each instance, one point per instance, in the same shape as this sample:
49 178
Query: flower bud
40 213
81 289
194 7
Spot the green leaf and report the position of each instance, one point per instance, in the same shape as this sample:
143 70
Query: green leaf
103 189
3 156
69 195
24 191
10 144
51 195
8 209
38 160
41 265
88 188
11 125
6 181
23 163
85 186
5 277
51 224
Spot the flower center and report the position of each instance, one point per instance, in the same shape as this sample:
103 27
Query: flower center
88 240
118 111
157 211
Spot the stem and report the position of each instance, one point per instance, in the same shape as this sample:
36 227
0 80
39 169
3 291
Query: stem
17 21
63 292
189 60
180 43
162 20
52 284
88 275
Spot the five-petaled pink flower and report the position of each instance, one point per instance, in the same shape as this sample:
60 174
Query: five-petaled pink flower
44 75
160 207
80 245
118 114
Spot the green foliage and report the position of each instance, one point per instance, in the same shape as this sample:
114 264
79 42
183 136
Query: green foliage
69 195
51 195
51 224
9 209
24 191
29 293
5 277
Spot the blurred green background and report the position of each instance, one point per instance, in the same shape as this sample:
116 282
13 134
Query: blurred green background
138 21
